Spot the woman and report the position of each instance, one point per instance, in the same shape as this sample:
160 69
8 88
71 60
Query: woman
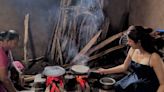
8 41
143 59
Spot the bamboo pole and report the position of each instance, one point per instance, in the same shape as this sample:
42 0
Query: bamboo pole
26 28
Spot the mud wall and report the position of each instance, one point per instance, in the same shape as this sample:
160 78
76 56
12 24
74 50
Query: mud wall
43 13
41 19
149 13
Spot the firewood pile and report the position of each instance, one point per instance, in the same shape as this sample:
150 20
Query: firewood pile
78 37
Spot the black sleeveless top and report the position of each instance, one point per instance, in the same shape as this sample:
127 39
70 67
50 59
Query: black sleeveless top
147 74
141 79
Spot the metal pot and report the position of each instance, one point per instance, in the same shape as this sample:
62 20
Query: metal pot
54 71
107 82
85 70
80 69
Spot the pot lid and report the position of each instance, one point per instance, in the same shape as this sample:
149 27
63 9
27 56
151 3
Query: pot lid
53 71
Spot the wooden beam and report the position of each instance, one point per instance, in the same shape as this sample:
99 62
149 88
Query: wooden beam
105 52
26 27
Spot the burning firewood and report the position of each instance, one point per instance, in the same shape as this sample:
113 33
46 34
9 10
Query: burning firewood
87 50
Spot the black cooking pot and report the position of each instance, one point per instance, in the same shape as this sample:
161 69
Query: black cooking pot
70 82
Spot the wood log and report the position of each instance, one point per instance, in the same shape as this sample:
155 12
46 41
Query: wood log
47 89
87 46
60 52
26 25
105 52
36 59
105 42
90 43
29 78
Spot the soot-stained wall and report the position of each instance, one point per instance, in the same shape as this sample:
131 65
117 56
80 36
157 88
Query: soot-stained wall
149 13
43 14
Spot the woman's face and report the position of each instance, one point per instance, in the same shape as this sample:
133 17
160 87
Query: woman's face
131 43
13 43
10 44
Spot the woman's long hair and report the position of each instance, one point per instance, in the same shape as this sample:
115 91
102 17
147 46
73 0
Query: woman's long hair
140 34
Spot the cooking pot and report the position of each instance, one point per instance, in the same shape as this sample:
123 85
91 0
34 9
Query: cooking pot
70 82
107 82
85 70
54 71
80 69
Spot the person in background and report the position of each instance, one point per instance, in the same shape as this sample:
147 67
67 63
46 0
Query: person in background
8 40
145 62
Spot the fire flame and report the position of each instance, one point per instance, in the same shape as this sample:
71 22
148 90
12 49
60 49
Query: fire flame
51 81
81 81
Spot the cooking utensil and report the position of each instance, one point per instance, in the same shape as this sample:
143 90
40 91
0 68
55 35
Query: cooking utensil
53 71
107 82
85 71
80 69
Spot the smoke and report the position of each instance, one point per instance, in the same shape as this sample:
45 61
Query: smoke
81 59
89 17
79 21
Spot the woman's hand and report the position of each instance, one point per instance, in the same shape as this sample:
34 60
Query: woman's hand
21 80
102 71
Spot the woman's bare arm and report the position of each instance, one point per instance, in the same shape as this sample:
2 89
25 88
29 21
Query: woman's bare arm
158 66
120 68
6 80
